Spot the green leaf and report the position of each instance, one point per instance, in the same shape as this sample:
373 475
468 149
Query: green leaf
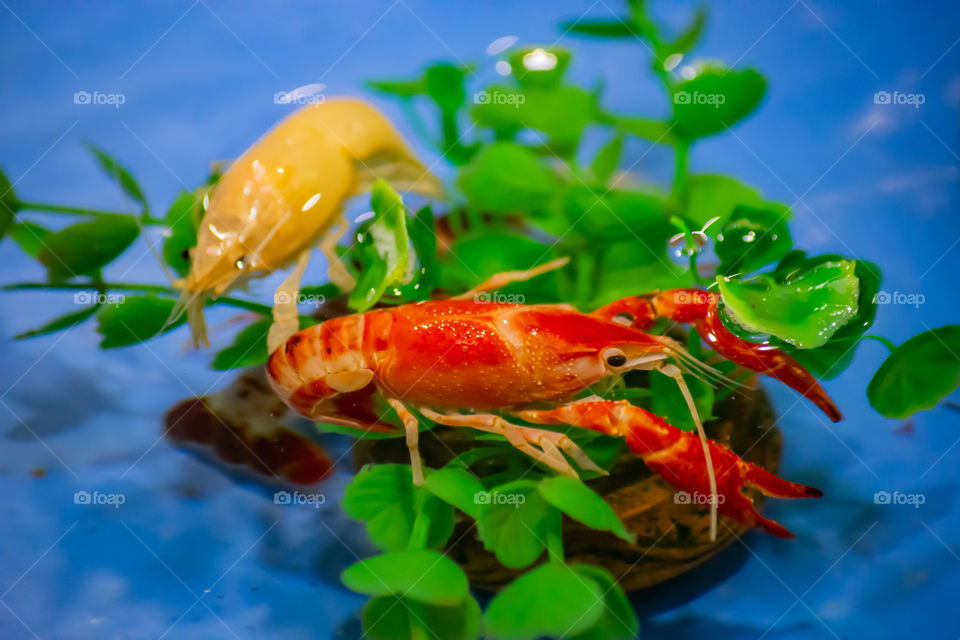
608 159
474 258
384 248
61 322
615 28
421 575
402 88
112 167
644 128
560 112
918 374
29 236
398 618
444 84
423 237
714 100
669 403
507 178
512 524
135 320
459 488
540 67
551 600
715 196
617 214
582 503
85 247
752 238
183 235
249 348
617 620
382 496
805 310
691 36
8 204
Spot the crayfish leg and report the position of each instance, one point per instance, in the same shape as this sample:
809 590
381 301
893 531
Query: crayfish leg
412 427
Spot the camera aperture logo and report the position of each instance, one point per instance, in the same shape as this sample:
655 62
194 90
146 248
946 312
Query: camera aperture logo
96 98
494 297
895 497
88 498
307 94
699 98
896 297
495 497
298 498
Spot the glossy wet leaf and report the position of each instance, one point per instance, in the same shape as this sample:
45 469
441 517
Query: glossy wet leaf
115 170
249 348
918 374
617 620
85 247
60 323
459 488
8 204
805 310
512 524
183 235
384 248
715 196
607 160
751 238
551 600
135 320
668 401
420 575
582 503
423 239
541 67
714 100
398 618
29 236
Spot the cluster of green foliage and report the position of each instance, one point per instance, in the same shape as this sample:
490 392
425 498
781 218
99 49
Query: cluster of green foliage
523 195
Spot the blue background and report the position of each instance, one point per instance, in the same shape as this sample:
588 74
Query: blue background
867 180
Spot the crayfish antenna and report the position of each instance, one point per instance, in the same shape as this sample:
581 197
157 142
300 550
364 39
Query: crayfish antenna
675 373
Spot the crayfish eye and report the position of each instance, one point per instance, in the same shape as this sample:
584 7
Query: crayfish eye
615 357
241 263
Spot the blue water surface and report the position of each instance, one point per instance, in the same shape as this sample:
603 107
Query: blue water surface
192 553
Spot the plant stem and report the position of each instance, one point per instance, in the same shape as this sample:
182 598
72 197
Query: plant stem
885 342
586 267
681 170
420 532
81 211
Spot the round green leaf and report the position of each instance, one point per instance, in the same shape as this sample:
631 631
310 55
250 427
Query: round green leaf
582 503
512 523
457 487
617 214
382 497
183 235
421 575
85 247
618 619
552 600
398 618
918 374
714 100
135 320
249 348
507 178
752 238
539 66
